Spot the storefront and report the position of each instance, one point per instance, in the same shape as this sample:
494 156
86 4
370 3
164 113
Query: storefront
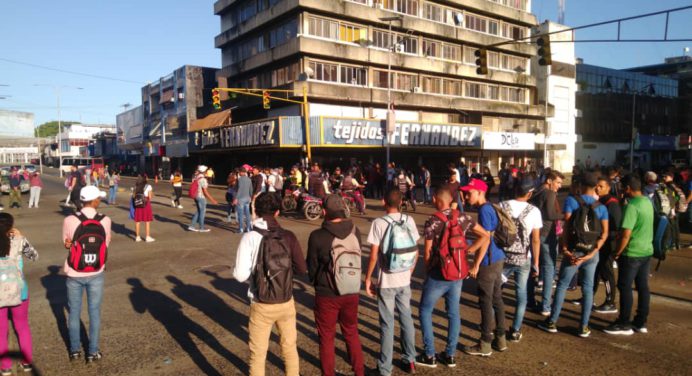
517 149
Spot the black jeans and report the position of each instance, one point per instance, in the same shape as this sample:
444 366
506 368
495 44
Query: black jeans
177 191
490 300
634 269
604 270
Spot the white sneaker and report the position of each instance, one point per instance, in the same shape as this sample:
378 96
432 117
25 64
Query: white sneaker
172 203
190 228
180 206
149 239
205 230
138 239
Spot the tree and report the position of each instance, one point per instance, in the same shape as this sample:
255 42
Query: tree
50 129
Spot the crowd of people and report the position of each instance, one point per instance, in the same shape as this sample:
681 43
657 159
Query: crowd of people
607 218
14 186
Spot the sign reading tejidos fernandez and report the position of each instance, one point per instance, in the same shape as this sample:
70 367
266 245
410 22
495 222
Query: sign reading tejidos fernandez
371 132
260 133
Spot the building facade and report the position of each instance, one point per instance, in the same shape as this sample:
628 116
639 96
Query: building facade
617 107
340 52
16 124
76 136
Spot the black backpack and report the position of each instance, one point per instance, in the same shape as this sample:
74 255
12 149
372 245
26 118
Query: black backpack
584 227
273 275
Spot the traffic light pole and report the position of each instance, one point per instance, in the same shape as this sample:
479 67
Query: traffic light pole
303 103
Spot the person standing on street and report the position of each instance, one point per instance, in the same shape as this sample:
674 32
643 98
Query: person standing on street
15 304
271 299
337 284
75 186
242 201
545 199
36 185
581 244
177 183
85 270
439 241
201 197
523 255
394 254
142 195
634 259
15 193
604 270
113 182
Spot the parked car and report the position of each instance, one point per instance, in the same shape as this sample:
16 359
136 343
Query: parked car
5 171
5 185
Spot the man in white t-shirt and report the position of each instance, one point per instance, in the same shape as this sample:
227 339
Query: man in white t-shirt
522 260
393 290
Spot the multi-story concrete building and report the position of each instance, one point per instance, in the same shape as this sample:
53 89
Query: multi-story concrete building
340 52
75 136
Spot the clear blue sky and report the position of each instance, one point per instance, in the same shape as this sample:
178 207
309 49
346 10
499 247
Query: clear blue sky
142 40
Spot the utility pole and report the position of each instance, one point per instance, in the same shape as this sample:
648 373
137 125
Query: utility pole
632 133
390 121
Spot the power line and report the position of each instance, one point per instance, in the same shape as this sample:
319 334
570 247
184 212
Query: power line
70 72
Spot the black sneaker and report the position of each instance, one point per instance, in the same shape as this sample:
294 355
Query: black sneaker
640 329
409 367
619 329
514 336
75 355
426 361
94 357
446 360
584 332
26 367
605 308
548 326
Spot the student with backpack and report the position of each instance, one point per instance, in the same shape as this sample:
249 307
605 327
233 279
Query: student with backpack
14 302
142 195
604 270
522 247
268 257
586 230
393 252
633 256
86 235
445 260
199 193
334 268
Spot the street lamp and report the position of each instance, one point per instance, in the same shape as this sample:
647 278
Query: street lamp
57 90
390 111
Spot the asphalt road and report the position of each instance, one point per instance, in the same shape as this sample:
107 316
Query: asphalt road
172 308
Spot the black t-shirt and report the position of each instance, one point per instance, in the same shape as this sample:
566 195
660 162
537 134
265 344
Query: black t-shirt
77 175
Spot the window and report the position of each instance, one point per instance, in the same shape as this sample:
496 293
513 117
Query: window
324 71
353 75
432 48
474 22
512 94
493 59
323 28
433 12
403 6
380 39
405 81
493 92
493 27
470 55
473 90
432 85
349 33
451 87
410 45
512 32
451 52
513 63
380 79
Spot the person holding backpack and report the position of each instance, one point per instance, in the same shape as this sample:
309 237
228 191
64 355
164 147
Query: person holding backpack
198 192
393 252
268 257
14 302
586 230
604 270
522 247
633 256
445 260
142 195
84 267
334 268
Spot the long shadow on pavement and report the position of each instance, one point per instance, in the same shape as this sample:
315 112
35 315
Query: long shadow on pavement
56 294
180 327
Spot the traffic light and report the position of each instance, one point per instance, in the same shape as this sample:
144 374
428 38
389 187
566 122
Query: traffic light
265 100
481 61
545 56
216 99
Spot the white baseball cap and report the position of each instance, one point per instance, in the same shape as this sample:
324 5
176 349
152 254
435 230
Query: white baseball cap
91 193
202 168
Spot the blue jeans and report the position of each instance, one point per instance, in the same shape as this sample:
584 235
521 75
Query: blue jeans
387 300
433 290
521 277
547 269
587 272
244 217
112 190
201 203
428 198
94 290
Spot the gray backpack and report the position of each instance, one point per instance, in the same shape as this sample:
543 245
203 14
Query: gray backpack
345 264
11 277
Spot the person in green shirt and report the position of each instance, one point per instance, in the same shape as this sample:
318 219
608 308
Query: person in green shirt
634 258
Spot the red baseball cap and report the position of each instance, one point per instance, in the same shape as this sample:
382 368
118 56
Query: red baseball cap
475 184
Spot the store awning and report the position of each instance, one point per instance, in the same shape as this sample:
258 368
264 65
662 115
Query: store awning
214 120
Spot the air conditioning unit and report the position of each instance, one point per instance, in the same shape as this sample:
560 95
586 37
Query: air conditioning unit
417 89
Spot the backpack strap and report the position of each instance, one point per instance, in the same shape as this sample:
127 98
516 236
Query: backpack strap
82 218
99 217
441 216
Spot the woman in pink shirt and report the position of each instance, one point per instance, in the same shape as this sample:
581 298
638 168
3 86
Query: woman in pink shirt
35 192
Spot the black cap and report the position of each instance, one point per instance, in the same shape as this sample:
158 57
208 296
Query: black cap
527 185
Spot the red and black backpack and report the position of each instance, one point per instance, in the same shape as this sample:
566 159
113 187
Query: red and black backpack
89 251
452 248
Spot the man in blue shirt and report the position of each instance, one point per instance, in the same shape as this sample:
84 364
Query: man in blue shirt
579 259
487 269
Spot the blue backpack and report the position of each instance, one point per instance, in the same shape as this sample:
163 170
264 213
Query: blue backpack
398 246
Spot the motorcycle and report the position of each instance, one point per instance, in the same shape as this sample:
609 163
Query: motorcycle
289 202
350 200
407 202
